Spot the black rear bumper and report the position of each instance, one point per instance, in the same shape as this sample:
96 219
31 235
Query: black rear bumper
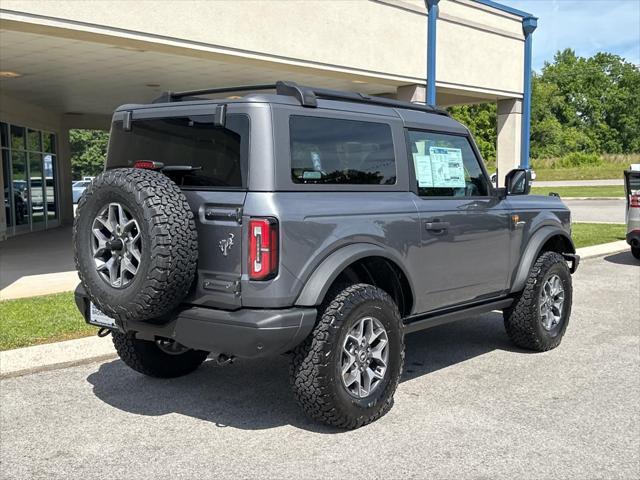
242 333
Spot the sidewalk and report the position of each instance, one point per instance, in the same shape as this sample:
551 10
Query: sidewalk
35 285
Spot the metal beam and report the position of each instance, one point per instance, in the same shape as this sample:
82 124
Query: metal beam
432 12
529 24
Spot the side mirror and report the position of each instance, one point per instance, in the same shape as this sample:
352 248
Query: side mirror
518 182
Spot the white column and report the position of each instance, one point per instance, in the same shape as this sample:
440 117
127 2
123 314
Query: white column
412 93
509 136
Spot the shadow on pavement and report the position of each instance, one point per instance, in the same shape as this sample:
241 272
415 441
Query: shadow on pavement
255 394
622 258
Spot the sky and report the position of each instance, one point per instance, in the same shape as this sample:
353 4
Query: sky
587 26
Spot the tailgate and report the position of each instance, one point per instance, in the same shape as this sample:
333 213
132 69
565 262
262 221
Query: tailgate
219 222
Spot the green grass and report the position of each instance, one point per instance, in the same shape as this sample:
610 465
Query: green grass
604 191
587 234
602 172
49 318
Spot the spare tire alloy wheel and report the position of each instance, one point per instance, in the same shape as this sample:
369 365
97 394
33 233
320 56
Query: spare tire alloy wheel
135 244
117 245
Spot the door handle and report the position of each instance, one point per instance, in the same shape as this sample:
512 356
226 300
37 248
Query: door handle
436 226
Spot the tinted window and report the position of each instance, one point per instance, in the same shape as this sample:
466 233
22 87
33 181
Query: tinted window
333 151
218 156
446 166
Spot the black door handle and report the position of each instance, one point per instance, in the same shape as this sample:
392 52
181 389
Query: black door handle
436 226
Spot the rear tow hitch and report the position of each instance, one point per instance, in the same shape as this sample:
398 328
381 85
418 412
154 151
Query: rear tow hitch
103 332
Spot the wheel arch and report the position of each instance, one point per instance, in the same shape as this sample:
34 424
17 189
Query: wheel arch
547 238
365 263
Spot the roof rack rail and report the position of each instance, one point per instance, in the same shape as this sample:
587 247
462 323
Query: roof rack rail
307 96
170 96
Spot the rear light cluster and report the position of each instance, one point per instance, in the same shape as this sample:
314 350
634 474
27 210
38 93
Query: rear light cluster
634 200
148 165
263 248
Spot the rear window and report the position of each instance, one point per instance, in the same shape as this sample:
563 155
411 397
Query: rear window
335 151
218 156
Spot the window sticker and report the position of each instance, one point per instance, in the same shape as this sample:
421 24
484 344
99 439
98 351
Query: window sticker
423 170
447 168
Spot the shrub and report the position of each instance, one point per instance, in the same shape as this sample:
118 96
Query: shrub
578 159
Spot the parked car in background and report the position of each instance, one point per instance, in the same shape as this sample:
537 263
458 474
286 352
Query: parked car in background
632 190
78 187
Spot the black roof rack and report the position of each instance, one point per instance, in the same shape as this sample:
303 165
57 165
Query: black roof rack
307 96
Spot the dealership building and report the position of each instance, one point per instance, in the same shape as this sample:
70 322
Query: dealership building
67 64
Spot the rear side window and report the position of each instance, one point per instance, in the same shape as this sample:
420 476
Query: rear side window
217 156
446 166
335 151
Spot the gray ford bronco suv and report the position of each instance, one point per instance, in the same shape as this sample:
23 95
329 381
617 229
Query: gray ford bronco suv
313 222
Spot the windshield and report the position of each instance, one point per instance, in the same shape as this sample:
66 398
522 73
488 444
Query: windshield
217 156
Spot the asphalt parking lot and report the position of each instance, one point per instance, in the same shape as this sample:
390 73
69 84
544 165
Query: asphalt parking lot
469 406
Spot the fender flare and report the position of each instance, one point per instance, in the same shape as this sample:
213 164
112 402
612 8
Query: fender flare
318 283
532 250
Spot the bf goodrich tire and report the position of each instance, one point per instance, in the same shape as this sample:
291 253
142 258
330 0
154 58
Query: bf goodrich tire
148 358
135 244
538 318
347 370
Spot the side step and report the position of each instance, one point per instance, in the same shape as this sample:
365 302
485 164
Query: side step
440 317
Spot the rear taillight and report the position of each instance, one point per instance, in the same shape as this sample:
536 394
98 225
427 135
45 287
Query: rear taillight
148 165
634 200
263 248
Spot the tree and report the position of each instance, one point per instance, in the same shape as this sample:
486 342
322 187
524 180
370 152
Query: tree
88 152
481 120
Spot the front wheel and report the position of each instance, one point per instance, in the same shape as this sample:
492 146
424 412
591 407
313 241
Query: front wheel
539 316
347 370
162 358
635 251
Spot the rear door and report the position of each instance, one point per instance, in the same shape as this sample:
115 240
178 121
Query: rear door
209 164
465 235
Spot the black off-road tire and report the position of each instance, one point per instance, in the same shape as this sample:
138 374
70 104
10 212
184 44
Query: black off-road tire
146 357
169 243
315 366
523 321
635 251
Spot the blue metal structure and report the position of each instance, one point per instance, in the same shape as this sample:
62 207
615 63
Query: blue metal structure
432 12
529 24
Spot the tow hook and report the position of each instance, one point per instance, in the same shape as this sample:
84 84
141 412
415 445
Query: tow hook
103 332
224 359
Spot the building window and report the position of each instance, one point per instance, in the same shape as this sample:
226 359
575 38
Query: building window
30 184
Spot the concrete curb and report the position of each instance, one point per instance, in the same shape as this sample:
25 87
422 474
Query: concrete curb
53 356
602 249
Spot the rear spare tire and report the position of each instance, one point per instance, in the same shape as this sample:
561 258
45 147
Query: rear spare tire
135 244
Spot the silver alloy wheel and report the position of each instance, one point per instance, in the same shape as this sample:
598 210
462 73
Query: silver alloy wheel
365 354
551 302
116 245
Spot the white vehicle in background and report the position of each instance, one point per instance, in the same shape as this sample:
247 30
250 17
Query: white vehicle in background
77 187
632 190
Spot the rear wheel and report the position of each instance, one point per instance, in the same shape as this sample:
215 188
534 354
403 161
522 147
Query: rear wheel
635 251
162 358
346 372
539 317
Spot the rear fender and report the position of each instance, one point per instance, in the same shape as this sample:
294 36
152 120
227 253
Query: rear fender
326 273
